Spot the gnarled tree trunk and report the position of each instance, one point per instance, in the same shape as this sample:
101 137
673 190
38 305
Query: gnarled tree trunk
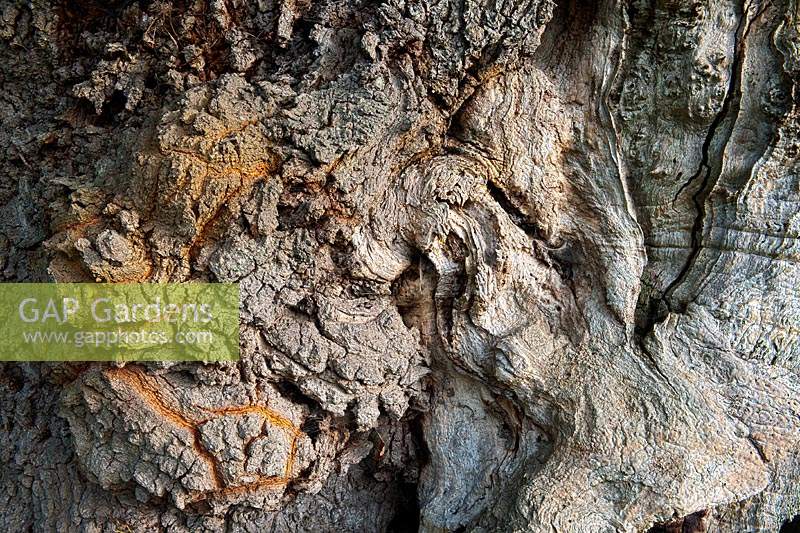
515 265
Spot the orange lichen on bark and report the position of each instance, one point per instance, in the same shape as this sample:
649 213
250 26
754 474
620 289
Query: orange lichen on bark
79 227
292 452
153 394
234 130
275 419
240 178
249 488
150 393
271 416
211 140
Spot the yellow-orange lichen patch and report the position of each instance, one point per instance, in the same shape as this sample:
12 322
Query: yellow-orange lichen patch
250 175
292 452
153 393
268 414
150 392
273 418
153 396
232 180
78 229
249 488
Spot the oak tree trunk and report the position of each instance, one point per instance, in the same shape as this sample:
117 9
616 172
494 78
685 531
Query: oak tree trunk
506 265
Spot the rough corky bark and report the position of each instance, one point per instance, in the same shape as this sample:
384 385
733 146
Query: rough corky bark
514 265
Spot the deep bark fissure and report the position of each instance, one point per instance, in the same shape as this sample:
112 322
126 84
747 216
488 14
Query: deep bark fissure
707 166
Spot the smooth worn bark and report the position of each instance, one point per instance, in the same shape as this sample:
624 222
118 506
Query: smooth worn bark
506 265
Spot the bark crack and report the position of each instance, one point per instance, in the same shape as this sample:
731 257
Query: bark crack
710 170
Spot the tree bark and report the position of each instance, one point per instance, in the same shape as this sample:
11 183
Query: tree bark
506 265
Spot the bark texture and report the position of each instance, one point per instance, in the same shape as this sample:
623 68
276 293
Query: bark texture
506 265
